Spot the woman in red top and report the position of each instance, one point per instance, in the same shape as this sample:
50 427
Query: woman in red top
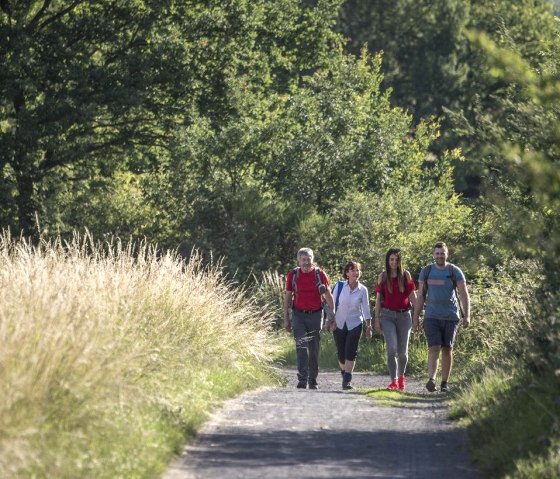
396 294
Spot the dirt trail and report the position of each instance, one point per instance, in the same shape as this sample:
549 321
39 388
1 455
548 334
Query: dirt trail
281 433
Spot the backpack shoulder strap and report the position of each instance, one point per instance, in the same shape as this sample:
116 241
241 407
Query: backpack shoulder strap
452 274
339 286
294 279
318 281
426 270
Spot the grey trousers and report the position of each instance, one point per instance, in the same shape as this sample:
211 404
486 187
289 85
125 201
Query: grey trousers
307 329
396 330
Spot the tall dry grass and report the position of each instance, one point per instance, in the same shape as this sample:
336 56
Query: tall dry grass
111 354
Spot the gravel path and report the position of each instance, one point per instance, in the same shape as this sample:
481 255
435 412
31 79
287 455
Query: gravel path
281 433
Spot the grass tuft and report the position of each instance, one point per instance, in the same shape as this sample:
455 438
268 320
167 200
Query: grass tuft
112 354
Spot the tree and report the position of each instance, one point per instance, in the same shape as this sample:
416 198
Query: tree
82 85
434 70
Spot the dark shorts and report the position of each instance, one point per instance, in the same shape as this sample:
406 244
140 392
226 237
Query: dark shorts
441 332
347 343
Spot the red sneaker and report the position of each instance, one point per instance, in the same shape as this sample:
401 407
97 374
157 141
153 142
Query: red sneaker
401 382
393 386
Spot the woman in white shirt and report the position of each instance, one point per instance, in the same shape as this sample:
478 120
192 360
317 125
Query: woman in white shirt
351 310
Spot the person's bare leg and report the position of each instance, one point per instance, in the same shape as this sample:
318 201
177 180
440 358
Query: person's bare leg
433 358
446 363
348 366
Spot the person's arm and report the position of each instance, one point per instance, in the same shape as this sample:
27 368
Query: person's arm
418 306
378 313
329 299
287 299
330 303
412 294
378 301
367 314
465 301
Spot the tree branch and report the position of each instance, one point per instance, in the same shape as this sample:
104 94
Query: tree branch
55 16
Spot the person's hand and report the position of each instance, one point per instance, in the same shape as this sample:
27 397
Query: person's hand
287 325
466 321
378 329
332 325
369 333
416 324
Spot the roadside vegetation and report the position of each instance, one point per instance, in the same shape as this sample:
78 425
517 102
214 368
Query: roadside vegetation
242 131
112 355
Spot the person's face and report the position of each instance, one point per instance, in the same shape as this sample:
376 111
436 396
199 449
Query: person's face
304 263
353 275
393 261
440 256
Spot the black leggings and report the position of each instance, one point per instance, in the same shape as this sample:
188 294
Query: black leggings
347 343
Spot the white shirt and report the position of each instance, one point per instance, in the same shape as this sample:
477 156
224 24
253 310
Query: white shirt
353 306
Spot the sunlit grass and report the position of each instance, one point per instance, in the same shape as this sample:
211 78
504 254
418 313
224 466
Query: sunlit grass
513 424
111 355
404 399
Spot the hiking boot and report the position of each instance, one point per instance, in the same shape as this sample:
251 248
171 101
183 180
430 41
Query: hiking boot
444 387
400 382
302 385
347 380
393 386
431 385
313 384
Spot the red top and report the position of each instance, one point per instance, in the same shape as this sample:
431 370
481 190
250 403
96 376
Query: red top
307 296
396 300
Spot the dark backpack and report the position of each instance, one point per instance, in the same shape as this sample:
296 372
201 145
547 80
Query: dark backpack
451 269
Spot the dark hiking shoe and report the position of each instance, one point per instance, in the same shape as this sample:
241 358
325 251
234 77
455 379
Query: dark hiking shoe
431 385
347 381
444 387
302 385
313 384
346 385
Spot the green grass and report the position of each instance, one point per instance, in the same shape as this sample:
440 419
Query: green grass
112 356
513 423
384 397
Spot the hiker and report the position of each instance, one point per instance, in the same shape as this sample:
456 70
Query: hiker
395 297
306 286
351 311
438 286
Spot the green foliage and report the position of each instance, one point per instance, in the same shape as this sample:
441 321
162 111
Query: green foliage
363 227
421 42
502 319
513 445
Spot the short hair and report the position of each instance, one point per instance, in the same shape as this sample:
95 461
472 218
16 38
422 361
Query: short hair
305 252
350 265
441 244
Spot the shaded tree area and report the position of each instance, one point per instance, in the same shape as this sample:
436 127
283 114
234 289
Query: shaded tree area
434 69
214 125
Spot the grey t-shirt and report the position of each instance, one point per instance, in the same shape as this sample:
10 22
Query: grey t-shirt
441 300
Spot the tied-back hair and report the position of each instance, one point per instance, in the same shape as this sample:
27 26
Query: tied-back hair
350 265
400 271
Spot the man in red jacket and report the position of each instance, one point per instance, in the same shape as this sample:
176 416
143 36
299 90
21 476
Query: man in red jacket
305 287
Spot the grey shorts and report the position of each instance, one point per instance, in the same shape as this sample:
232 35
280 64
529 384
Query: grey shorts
441 332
